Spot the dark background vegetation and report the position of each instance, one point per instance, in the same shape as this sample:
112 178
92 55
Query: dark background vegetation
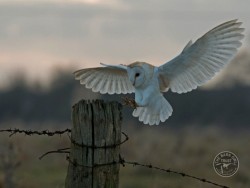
227 106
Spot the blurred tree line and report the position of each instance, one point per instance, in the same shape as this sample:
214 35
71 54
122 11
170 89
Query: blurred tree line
228 106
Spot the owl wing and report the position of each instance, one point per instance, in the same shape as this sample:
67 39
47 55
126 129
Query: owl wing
110 79
200 61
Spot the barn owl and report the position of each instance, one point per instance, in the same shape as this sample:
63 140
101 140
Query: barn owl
195 65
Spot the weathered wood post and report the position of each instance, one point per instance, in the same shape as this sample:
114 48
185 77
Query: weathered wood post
95 138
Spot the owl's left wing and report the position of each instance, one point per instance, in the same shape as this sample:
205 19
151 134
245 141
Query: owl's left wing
200 61
110 79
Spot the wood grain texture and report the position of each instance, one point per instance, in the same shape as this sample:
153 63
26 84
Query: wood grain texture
98 124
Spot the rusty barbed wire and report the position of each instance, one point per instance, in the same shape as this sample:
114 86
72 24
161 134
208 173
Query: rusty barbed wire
62 150
121 161
74 163
32 132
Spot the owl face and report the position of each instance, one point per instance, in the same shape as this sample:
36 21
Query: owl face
136 76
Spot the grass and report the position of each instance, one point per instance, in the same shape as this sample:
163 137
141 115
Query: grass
190 150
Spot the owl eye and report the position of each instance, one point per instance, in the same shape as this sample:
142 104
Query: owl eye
137 74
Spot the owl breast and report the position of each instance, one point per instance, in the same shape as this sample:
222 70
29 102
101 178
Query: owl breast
144 94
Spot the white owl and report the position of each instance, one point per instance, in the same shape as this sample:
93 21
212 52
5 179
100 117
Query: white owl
195 65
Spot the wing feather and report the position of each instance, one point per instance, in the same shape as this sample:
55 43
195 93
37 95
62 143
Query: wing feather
200 61
123 87
109 80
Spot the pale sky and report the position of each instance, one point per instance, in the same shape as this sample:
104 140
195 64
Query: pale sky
38 35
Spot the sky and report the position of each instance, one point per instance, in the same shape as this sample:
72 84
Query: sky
39 36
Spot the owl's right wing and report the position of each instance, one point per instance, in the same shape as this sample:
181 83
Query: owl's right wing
110 79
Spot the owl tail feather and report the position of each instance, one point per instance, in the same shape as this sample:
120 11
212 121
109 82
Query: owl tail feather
158 110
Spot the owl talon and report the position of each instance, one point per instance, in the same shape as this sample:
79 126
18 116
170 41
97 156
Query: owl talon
129 102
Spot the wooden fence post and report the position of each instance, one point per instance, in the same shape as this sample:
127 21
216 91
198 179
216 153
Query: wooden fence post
95 149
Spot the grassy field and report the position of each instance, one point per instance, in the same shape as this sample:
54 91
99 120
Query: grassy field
190 150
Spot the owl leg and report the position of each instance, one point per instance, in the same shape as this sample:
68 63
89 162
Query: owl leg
129 102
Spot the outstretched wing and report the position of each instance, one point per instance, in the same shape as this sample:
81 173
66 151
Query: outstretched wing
109 80
200 61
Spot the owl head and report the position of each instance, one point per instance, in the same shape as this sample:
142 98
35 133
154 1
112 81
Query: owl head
140 73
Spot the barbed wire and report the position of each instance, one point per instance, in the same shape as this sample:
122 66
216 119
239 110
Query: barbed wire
62 150
103 147
121 160
32 132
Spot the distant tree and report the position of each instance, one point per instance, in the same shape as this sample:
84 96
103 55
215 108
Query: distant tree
236 73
